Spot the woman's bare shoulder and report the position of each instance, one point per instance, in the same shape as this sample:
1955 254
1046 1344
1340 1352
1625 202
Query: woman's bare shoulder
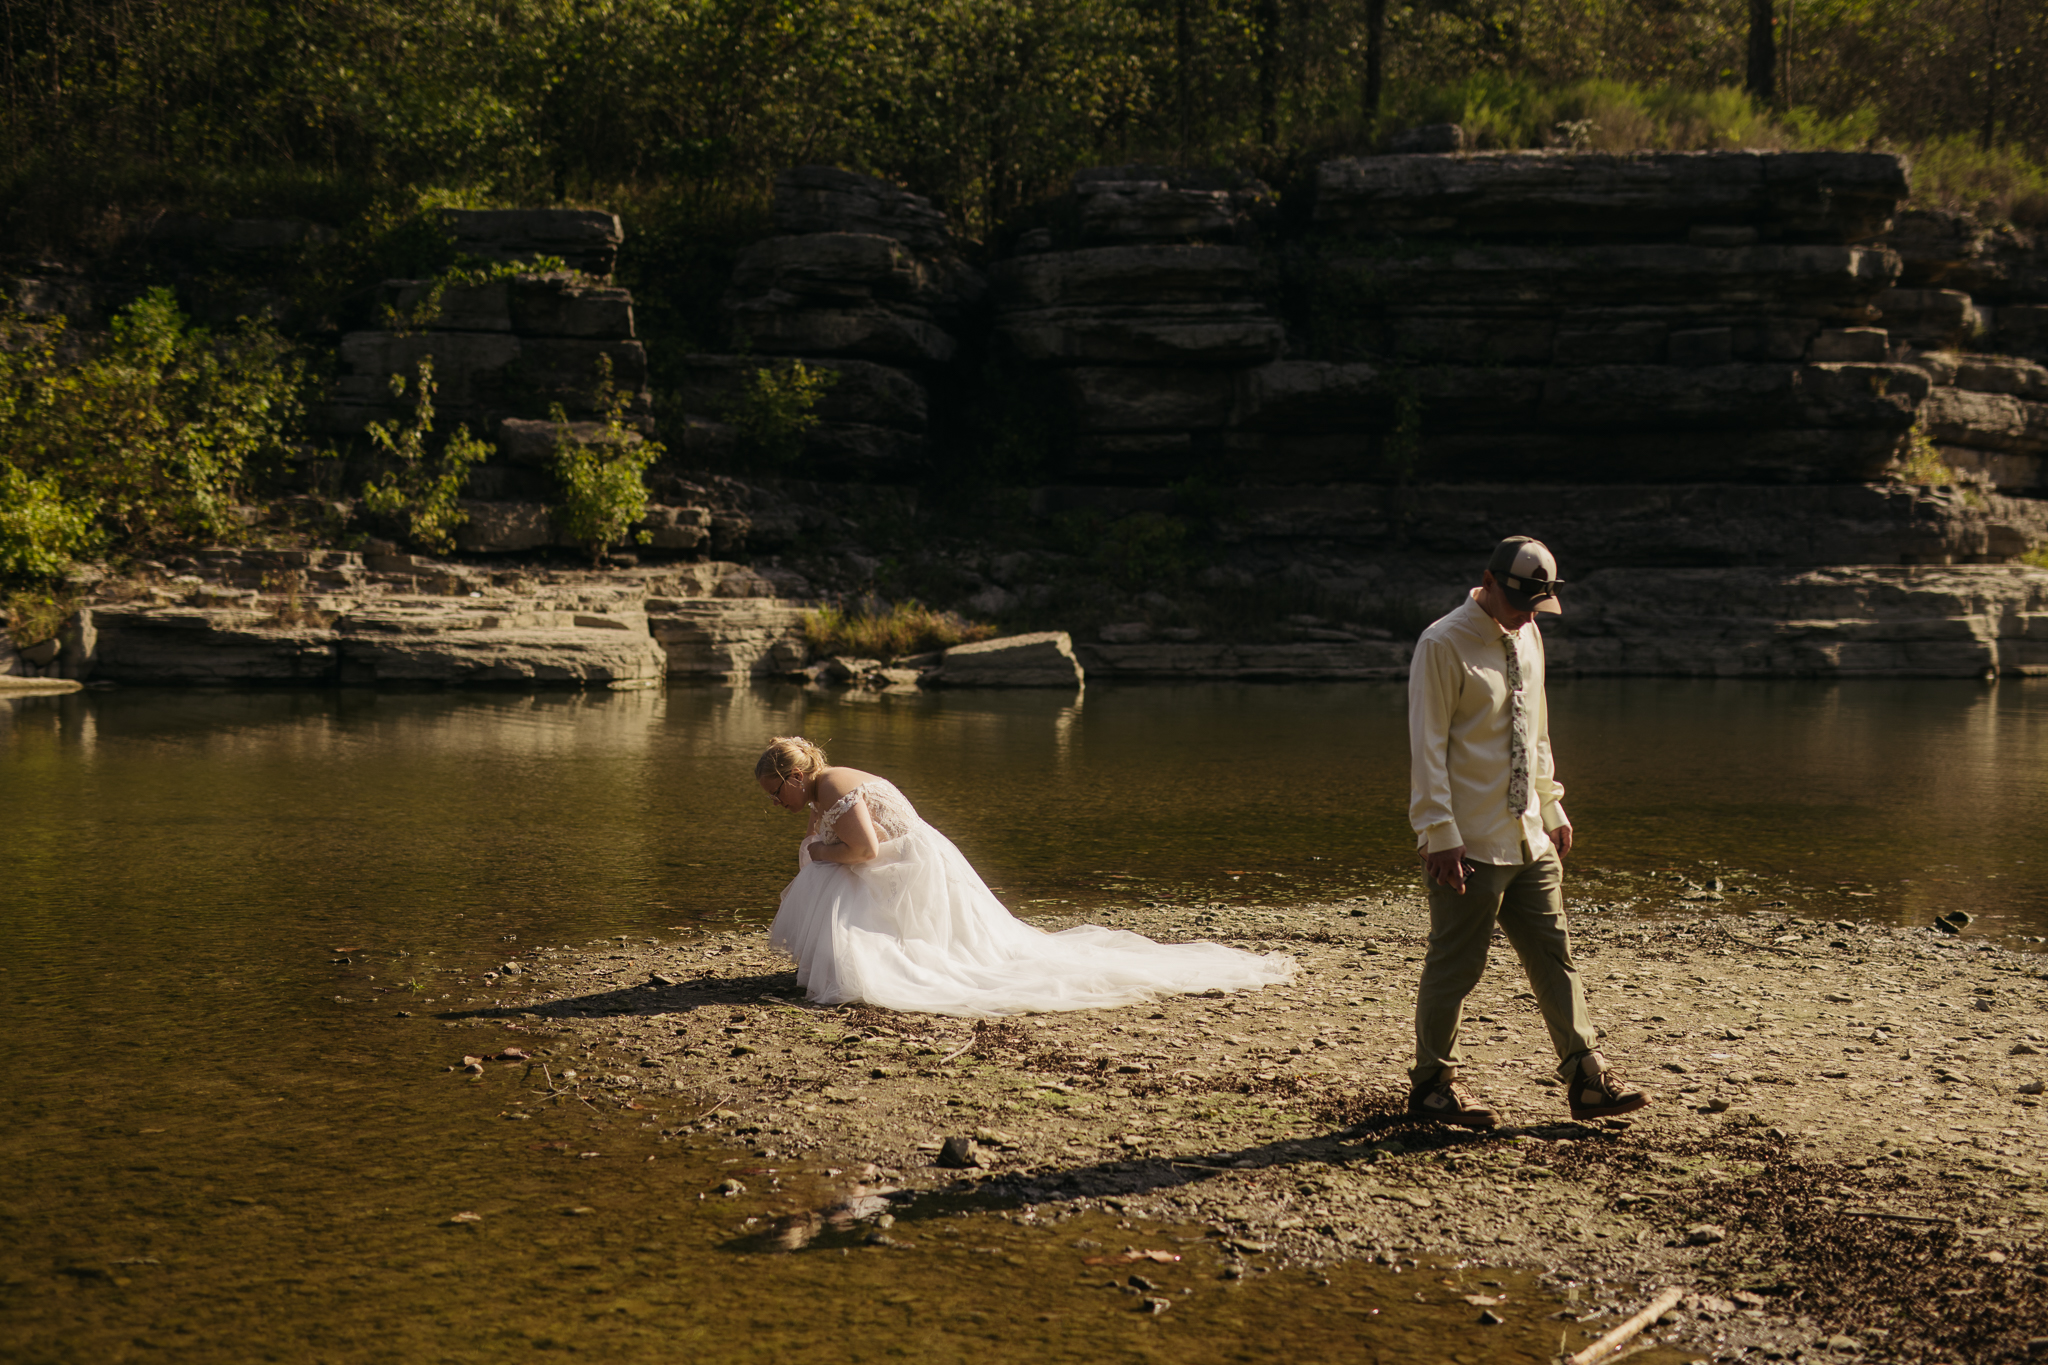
834 783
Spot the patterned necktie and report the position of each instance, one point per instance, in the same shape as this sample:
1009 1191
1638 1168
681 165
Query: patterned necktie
1518 729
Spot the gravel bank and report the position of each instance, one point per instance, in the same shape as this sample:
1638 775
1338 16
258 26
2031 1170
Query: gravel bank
1847 1153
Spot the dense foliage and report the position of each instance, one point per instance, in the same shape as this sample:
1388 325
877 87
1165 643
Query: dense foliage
986 103
146 438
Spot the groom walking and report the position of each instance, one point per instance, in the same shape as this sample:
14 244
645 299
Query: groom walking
1489 821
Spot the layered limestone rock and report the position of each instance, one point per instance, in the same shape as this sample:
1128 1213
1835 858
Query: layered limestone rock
1043 659
1661 525
342 617
506 354
729 639
1777 196
1686 316
864 282
1973 312
1988 416
1841 622
1870 621
509 348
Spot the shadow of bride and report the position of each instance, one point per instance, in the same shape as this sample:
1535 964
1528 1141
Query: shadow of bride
659 996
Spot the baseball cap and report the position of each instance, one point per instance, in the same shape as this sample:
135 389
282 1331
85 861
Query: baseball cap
1527 574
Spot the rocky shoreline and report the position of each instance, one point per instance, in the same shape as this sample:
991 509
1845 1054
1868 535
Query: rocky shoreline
388 619
1847 1155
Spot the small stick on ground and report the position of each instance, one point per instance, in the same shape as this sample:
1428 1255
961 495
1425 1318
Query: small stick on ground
1613 1341
1897 1217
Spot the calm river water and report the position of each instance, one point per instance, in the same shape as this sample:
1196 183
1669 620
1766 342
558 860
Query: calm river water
222 1144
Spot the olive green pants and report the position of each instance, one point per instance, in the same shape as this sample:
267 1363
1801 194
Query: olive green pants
1527 900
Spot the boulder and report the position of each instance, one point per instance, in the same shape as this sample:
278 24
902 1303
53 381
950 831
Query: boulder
1044 659
826 199
1813 196
587 240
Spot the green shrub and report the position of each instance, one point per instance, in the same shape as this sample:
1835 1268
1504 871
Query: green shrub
1922 463
906 628
467 273
777 409
604 488
417 495
40 531
154 431
33 617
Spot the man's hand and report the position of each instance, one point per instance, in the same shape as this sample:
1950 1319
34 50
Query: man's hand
1562 837
1447 868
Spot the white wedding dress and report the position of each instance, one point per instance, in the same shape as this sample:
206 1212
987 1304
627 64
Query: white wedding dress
917 929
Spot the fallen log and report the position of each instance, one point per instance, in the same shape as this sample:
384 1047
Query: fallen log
1619 1337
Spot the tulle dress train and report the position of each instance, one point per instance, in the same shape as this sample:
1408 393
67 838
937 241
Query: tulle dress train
917 929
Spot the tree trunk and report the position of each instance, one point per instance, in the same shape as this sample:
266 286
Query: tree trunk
1993 12
1183 53
1268 26
1762 82
1375 62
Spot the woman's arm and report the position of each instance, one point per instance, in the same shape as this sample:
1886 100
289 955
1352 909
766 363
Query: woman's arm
855 831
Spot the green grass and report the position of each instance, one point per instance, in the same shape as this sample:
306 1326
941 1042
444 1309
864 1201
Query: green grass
906 628
1504 112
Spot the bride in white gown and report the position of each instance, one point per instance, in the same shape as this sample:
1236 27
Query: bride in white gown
885 911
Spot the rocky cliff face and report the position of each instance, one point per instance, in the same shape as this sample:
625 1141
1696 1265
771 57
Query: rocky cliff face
1547 316
1971 311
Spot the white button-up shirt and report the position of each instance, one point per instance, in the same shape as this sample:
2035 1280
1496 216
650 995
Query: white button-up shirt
1458 740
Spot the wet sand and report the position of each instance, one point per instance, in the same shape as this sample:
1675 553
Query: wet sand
1846 1153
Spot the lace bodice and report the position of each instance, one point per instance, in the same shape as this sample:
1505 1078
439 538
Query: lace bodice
888 808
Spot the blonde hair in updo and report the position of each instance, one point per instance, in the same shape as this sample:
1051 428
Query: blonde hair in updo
790 756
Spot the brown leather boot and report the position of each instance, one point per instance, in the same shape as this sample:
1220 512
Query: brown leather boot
1440 1101
1597 1093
